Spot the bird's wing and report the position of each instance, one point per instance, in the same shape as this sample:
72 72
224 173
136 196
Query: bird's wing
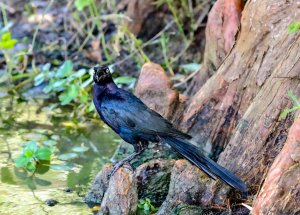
126 110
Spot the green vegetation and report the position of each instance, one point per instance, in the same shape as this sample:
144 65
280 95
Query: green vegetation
32 156
146 208
294 108
46 58
294 27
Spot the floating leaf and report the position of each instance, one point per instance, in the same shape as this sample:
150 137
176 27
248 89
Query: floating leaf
67 156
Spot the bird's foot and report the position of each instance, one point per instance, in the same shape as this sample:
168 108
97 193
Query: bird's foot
117 166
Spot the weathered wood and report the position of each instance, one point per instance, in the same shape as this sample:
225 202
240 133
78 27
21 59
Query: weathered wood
281 189
220 33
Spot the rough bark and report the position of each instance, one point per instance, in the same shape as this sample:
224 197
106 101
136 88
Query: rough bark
280 193
121 195
222 26
236 113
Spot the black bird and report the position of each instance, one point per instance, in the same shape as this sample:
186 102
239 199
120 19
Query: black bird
137 124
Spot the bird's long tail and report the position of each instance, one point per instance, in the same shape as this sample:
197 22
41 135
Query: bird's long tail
191 153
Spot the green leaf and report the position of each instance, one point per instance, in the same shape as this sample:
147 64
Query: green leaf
46 67
294 98
191 67
6 36
80 149
91 107
43 154
77 74
125 80
47 89
31 146
6 42
64 70
22 161
294 27
39 79
67 96
58 85
28 153
30 166
81 4
67 156
146 207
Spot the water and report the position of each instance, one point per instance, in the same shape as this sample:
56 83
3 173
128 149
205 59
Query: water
22 194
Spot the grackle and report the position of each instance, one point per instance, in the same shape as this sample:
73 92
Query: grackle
137 124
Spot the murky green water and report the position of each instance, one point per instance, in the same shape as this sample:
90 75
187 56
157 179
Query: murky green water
22 194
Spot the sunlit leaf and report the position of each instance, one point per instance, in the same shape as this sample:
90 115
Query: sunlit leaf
22 161
67 96
67 156
46 67
39 79
81 4
43 154
31 146
6 42
77 74
30 166
294 27
58 84
65 69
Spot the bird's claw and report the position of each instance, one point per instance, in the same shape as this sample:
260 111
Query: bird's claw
119 164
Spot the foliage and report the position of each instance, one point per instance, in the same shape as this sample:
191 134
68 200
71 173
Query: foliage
294 27
145 207
81 4
6 41
295 108
32 156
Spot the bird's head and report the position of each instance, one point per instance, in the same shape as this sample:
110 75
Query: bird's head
102 75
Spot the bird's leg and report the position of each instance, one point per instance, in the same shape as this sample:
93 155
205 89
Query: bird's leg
138 149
